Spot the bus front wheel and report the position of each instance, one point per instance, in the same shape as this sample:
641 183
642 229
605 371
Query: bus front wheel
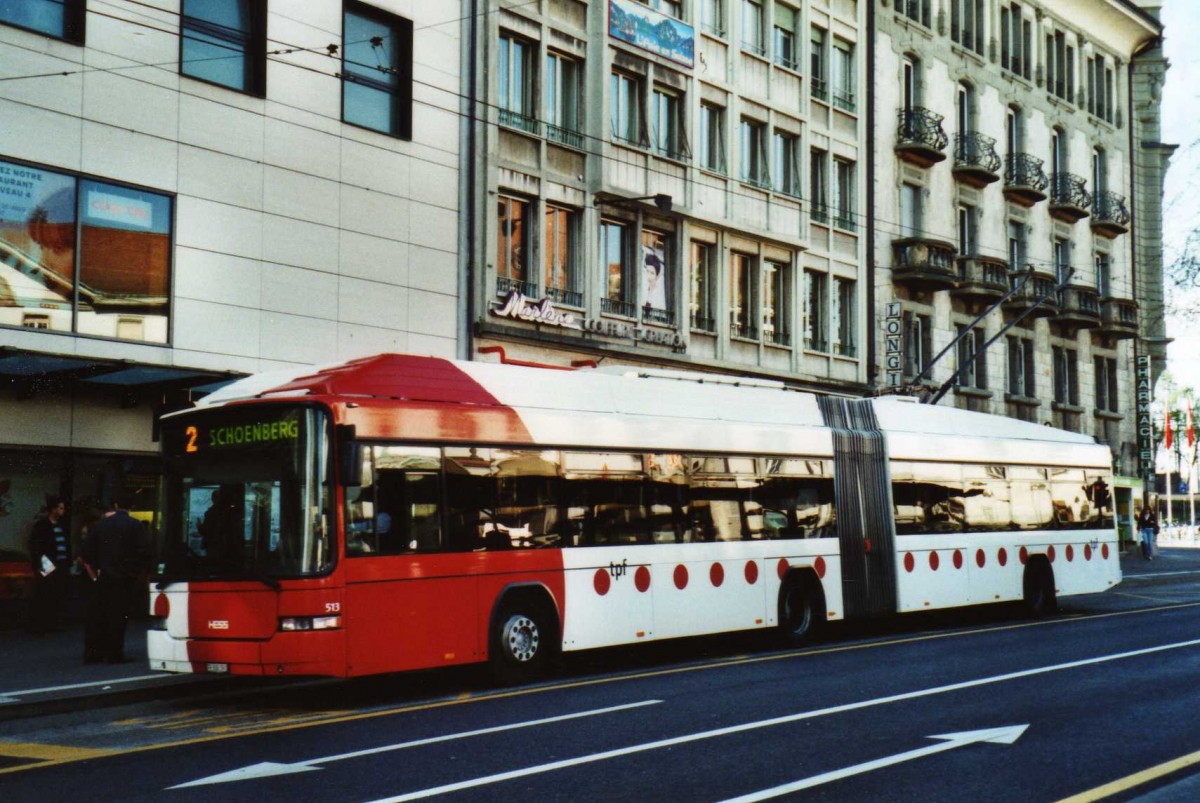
801 608
521 642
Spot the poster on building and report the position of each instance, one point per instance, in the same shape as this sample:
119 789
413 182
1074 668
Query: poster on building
37 246
654 276
643 27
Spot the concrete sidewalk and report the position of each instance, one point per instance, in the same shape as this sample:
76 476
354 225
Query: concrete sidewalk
44 674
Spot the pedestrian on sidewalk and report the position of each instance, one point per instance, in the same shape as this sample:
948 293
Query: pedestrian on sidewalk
50 555
116 553
1148 529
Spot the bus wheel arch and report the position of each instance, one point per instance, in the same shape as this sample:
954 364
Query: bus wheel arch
1038 591
801 606
524 633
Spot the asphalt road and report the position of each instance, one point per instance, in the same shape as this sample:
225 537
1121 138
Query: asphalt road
1101 701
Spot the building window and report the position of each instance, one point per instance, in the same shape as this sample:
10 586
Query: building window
918 343
62 19
818 55
701 304
1014 130
844 202
91 257
966 24
784 147
964 111
843 75
657 281
667 128
1016 246
1099 171
910 210
625 104
783 37
1107 398
742 302
967 228
818 181
515 81
1062 260
1016 41
1060 66
845 326
712 138
1021 368
224 42
562 108
777 303
512 247
1104 275
672 8
1066 375
561 230
752 152
377 70
972 371
1100 98
712 17
616 266
915 10
752 27
816 330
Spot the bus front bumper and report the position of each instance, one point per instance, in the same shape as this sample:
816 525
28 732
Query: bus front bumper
299 653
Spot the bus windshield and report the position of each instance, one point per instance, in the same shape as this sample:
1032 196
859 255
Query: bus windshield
247 494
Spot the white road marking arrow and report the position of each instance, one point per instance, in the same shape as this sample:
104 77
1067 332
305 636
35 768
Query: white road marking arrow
949 741
269 768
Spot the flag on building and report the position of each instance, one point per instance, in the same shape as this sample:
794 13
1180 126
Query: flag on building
1167 428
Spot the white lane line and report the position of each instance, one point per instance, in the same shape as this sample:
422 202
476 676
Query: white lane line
47 689
765 723
269 768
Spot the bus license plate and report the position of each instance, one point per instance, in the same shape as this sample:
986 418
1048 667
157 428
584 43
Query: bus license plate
216 667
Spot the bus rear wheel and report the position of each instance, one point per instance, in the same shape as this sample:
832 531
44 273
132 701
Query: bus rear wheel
801 609
1039 595
521 642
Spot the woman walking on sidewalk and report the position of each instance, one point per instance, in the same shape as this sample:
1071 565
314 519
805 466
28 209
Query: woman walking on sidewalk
1148 528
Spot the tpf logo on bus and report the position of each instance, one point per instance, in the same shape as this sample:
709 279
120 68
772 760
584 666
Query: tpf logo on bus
618 570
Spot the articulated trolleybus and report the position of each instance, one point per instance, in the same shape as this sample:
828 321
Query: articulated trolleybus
400 512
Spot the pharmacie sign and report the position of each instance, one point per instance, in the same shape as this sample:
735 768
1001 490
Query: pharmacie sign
1145 425
518 307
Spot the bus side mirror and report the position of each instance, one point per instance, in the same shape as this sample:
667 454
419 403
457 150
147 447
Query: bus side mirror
350 456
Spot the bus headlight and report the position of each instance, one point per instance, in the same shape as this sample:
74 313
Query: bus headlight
310 623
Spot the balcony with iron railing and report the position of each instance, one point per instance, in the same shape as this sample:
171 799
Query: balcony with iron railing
564 136
1118 318
819 88
1078 307
568 298
976 162
921 263
743 331
662 317
1110 216
776 337
706 324
1037 293
615 306
522 122
1069 198
920 139
1025 180
505 285
981 278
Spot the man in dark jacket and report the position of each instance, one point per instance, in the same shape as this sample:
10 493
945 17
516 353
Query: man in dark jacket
50 555
115 554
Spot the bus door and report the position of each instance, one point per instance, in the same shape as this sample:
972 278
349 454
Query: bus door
866 533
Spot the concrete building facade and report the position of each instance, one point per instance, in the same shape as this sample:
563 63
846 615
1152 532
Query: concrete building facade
675 182
1006 161
192 191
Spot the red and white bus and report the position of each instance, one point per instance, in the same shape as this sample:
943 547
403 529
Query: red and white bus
399 512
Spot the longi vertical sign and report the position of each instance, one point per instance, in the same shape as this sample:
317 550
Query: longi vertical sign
1145 426
893 350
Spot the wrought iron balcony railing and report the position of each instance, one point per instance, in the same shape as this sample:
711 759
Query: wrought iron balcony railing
514 119
564 136
1069 198
704 323
615 306
921 127
660 316
568 298
1025 179
776 337
743 331
975 159
505 285
819 89
1110 216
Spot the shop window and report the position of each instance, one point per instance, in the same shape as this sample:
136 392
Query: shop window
377 70
224 42
84 256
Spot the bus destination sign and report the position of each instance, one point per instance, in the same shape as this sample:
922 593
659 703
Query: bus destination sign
233 436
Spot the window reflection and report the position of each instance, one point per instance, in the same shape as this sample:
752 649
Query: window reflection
927 497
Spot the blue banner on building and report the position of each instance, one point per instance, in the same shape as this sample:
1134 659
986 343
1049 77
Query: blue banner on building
646 28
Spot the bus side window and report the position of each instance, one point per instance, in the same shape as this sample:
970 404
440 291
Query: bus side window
409 517
360 510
